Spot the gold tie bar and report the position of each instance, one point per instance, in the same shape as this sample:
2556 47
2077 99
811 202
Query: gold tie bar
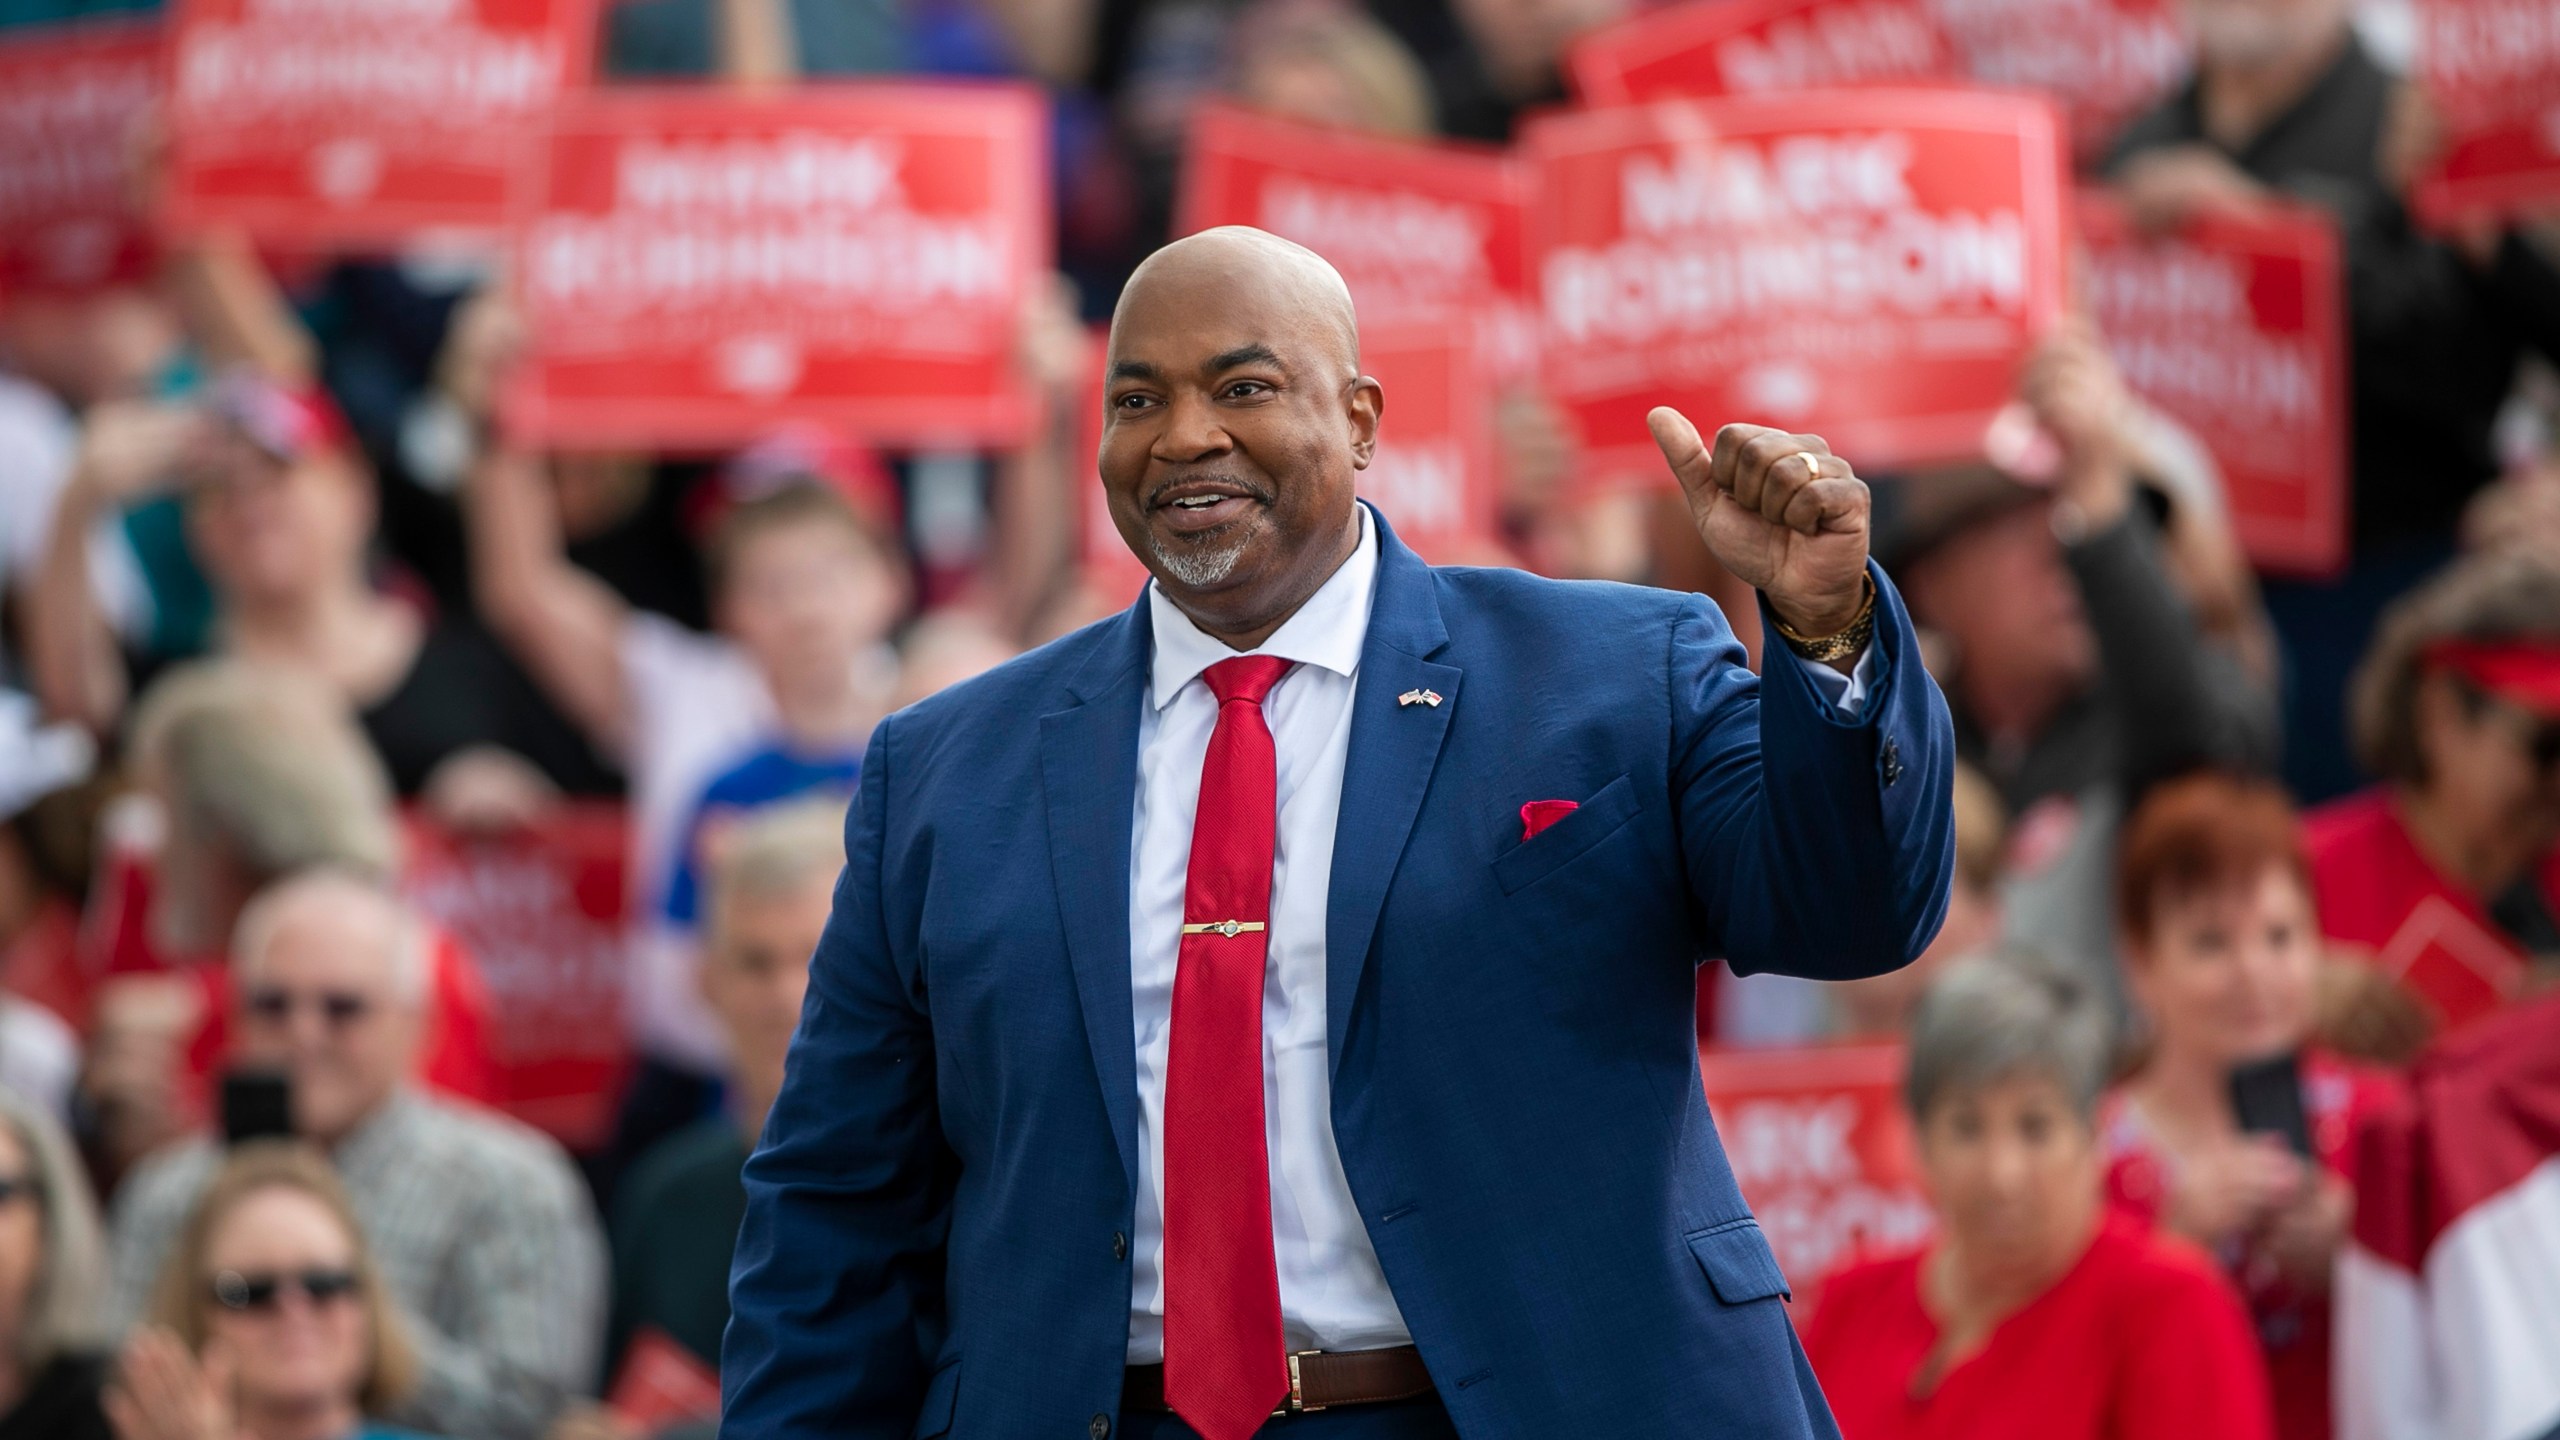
1229 928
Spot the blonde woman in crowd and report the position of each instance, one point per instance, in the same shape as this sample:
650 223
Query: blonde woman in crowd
270 1321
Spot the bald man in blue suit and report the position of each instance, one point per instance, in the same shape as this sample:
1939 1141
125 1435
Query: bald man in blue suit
1037 1170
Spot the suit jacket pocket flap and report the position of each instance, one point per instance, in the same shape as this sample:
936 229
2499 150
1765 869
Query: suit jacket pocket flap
1596 820
1738 1263
933 1417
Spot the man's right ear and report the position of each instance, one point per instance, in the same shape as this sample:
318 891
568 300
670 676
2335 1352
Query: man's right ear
1367 403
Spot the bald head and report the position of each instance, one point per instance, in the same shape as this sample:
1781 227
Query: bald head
1239 265
341 910
1237 422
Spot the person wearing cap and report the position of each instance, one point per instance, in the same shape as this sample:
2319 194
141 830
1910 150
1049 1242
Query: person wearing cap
2447 872
2076 667
278 509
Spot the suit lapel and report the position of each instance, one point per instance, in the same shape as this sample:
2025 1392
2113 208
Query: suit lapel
1089 777
1394 748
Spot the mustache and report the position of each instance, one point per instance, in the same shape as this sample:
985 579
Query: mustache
1250 489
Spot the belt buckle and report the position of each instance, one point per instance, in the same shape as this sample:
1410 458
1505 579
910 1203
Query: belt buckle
1297 1404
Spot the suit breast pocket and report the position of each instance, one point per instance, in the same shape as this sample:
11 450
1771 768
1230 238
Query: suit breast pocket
1739 1265
1594 821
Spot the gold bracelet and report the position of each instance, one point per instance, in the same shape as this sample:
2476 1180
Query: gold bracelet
1848 640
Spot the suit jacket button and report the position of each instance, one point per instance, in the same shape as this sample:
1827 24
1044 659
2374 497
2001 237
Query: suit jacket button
1892 761
1119 1246
1099 1426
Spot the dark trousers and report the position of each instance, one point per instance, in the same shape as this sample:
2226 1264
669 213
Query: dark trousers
1422 1419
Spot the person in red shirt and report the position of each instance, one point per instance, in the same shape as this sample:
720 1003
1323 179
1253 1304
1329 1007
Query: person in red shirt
2447 874
2223 959
2036 1312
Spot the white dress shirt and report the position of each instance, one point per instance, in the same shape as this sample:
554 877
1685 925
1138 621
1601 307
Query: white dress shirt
1333 1296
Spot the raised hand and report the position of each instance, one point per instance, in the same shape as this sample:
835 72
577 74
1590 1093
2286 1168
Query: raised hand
161 1392
1780 511
130 448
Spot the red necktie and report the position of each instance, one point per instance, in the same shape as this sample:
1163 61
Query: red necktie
1224 1368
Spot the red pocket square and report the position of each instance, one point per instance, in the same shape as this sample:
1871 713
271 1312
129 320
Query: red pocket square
1537 815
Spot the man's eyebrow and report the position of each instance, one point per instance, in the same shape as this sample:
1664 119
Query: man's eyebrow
1135 370
1254 354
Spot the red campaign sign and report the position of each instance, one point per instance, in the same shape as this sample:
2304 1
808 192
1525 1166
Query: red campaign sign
69 101
1744 47
2104 61
2233 328
2461 968
698 268
1867 265
542 912
357 122
1417 230
2492 70
1823 1150
1432 476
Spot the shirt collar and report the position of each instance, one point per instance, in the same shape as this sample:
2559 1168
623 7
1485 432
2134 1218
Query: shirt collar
382 1135
1327 631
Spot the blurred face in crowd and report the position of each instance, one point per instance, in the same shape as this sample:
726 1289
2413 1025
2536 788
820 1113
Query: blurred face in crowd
1317 62
1237 419
1522 41
323 1001
21 1235
271 533
803 598
295 1350
1999 590
1301 85
2014 1172
2248 33
757 969
2227 972
2492 766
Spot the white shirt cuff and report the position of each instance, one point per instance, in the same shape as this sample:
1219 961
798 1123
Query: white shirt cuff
1847 693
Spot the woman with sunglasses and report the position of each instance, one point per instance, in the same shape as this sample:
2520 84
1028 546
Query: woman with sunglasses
270 1321
52 1273
2448 872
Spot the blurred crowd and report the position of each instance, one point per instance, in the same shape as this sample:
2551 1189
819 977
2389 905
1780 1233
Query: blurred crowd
2235 852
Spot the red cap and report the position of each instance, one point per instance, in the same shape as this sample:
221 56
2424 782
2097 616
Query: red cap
2523 671
800 455
288 423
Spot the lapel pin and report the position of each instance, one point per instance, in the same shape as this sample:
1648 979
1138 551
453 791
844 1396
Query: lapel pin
1419 697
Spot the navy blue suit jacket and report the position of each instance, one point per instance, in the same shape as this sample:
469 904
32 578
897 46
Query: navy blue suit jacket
937 1218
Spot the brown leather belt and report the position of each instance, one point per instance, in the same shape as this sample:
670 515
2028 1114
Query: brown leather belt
1318 1380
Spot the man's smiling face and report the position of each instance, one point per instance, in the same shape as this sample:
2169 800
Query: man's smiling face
1237 421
